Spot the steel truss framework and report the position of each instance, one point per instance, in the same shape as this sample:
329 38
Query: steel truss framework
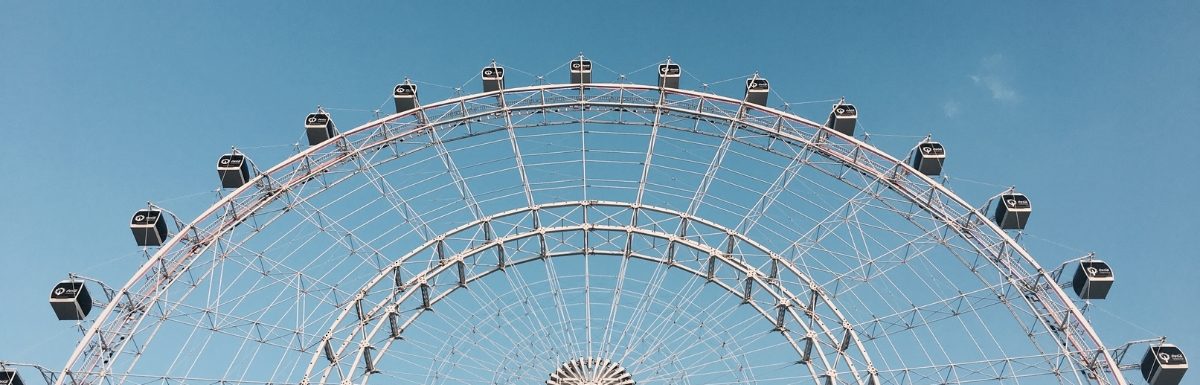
798 303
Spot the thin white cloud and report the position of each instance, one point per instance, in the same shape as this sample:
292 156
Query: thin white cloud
950 108
992 77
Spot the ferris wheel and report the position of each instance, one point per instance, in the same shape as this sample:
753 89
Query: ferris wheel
590 233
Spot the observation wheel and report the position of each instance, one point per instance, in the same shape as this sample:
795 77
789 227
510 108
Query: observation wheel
590 233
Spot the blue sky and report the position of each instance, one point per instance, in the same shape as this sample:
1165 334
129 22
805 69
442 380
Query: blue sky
1089 108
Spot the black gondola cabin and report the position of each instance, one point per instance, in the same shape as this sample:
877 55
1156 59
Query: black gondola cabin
756 90
405 95
10 377
149 227
1013 211
929 157
668 75
70 300
581 71
234 170
1092 279
493 78
319 127
842 119
1164 365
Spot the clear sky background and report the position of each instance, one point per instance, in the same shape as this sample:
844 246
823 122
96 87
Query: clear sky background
1089 108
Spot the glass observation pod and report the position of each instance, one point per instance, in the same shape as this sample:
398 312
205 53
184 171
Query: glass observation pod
843 118
319 127
405 95
10 377
70 300
756 90
149 227
493 78
234 170
581 71
929 157
1013 211
1092 279
1164 365
668 75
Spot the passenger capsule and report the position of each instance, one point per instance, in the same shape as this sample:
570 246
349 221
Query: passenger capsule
234 170
929 157
843 117
1013 211
756 90
581 71
319 127
1092 279
668 75
149 227
10 377
405 95
1164 365
493 78
70 300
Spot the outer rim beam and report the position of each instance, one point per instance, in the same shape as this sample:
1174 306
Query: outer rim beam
861 157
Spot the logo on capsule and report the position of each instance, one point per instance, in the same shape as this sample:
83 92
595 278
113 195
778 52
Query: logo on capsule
312 119
139 218
575 65
1164 357
1092 271
59 291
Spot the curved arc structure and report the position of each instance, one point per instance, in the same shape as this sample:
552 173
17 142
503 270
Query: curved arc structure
771 282
106 335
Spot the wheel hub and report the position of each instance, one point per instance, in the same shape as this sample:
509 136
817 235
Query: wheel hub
590 371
